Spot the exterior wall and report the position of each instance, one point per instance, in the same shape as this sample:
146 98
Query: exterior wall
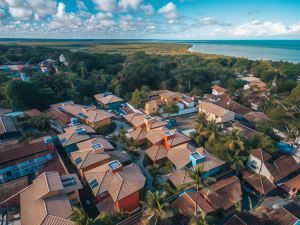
259 168
181 112
150 108
99 123
101 197
172 99
211 172
215 92
229 116
129 203
90 167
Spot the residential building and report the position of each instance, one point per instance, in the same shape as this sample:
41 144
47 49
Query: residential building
255 117
23 159
197 158
157 100
142 125
49 199
287 214
254 83
96 152
115 186
274 169
246 218
218 90
89 114
109 101
220 197
292 186
33 113
258 101
227 103
57 119
215 112
8 128
69 139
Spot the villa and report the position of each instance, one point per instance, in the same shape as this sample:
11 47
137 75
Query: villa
109 101
49 199
215 112
116 187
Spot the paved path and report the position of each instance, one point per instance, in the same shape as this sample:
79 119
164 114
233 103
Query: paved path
149 177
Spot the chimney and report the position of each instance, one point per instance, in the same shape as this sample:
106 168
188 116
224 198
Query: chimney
196 158
168 135
98 148
148 121
88 108
115 166
80 131
49 142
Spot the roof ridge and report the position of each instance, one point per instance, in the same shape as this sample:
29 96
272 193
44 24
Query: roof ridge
120 185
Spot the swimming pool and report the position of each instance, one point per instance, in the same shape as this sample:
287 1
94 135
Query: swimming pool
286 147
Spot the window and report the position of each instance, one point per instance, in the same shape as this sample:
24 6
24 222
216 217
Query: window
78 160
94 183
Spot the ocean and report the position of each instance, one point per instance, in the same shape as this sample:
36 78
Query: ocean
276 50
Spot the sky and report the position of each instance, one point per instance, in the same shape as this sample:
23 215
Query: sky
150 19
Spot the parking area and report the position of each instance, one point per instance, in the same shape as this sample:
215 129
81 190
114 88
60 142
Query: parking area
186 121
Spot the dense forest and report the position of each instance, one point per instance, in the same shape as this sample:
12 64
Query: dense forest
91 73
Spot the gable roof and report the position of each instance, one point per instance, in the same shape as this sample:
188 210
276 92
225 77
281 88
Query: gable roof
285 215
261 154
225 193
255 117
43 198
282 167
72 129
180 157
245 218
58 117
218 88
107 99
93 115
13 150
95 140
213 108
33 113
168 94
67 139
88 158
233 106
7 124
156 152
119 184
259 182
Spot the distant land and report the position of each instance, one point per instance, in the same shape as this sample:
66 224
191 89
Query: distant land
276 50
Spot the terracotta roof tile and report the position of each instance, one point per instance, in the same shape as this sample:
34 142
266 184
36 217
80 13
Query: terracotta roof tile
156 152
261 154
213 108
107 99
258 182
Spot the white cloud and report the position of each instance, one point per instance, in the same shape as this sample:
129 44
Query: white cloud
129 4
65 21
106 5
42 8
148 9
256 28
205 21
20 13
170 12
100 22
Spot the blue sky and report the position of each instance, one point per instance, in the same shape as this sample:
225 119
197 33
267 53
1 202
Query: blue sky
151 19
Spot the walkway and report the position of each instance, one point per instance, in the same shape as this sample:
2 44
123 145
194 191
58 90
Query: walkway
149 178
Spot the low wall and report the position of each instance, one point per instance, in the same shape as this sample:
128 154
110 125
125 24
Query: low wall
181 112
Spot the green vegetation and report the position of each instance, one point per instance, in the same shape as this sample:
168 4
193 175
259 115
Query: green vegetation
106 129
79 217
40 123
157 208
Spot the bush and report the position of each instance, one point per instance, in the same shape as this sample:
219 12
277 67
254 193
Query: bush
106 129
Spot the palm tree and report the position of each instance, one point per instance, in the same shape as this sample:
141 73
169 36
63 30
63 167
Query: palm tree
234 140
198 180
211 132
199 220
80 217
156 208
201 121
235 160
